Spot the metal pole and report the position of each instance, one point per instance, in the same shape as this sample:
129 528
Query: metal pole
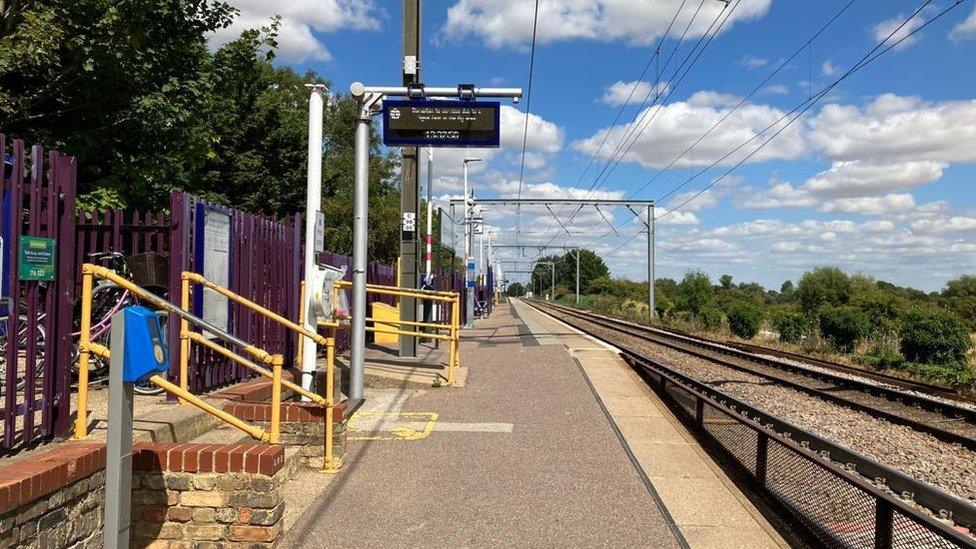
650 262
357 337
410 171
577 275
313 203
552 290
468 241
430 211
118 465
481 255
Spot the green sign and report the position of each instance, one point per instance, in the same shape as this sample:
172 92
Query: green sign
36 258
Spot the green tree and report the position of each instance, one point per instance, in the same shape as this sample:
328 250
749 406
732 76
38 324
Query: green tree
959 296
934 337
516 289
725 281
130 88
843 327
695 291
120 85
823 287
591 265
745 319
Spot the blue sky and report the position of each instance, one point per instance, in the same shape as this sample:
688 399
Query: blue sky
874 178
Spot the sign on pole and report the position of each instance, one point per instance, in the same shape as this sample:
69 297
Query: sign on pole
37 258
440 123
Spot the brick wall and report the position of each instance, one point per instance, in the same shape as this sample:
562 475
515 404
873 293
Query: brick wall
197 494
54 499
302 424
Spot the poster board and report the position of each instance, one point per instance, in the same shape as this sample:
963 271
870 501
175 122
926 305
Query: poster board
213 260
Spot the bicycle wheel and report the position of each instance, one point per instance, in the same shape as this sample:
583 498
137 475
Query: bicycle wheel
23 335
107 299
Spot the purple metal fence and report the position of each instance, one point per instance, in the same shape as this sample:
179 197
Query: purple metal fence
36 364
265 261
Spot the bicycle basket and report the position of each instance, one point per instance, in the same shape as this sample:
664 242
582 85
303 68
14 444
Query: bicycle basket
150 270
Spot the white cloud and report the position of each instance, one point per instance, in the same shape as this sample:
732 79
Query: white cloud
753 62
705 200
777 89
300 19
543 140
882 30
780 194
829 68
880 248
627 93
966 29
896 127
945 224
861 178
503 23
676 217
664 132
871 205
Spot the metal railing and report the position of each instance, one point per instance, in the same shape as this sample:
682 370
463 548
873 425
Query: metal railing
87 348
821 486
453 327
276 361
331 463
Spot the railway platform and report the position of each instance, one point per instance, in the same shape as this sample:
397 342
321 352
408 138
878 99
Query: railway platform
552 441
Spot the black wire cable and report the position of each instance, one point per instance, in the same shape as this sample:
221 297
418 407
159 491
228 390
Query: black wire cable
525 129
863 62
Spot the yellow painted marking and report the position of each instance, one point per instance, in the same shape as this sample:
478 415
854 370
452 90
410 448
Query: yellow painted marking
397 432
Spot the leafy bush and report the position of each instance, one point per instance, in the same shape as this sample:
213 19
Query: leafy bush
882 356
955 374
663 307
745 320
934 337
791 326
695 292
843 327
710 317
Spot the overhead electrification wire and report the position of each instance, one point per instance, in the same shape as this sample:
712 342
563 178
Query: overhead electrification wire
868 58
743 100
863 62
693 57
528 105
655 54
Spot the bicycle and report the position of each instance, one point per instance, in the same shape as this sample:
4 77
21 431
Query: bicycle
107 299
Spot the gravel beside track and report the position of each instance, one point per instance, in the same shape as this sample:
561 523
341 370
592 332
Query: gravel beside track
948 466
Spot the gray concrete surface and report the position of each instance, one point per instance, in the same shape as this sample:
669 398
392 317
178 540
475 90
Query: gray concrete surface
525 458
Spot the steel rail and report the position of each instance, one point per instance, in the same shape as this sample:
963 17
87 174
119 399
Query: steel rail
837 459
895 394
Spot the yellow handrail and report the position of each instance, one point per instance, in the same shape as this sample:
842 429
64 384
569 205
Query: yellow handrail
200 339
256 432
331 464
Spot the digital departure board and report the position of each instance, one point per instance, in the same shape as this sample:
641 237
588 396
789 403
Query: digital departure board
439 123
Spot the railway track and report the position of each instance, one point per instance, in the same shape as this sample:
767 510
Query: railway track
824 484
929 389
904 404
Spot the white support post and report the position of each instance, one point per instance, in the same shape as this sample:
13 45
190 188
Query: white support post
313 204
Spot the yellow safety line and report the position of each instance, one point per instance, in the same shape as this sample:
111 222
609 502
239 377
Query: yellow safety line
397 433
